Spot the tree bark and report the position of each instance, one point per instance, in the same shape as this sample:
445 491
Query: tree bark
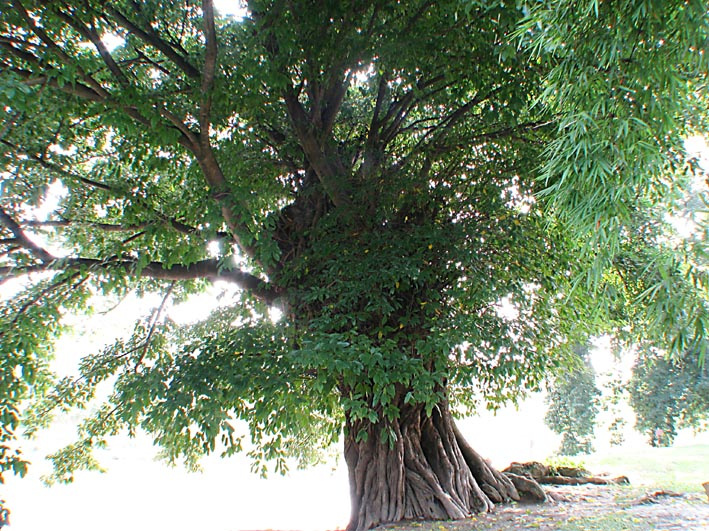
429 472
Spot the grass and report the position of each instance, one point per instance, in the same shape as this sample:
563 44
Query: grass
613 521
682 469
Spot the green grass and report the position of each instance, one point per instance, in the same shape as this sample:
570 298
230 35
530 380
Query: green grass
682 469
614 521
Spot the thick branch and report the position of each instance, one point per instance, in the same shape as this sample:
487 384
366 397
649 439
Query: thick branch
329 169
334 97
210 270
382 92
92 35
208 72
151 37
76 89
23 240
211 169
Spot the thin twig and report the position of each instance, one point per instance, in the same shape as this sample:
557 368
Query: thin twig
155 317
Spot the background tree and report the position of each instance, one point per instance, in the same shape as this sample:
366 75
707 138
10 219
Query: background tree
615 402
668 394
386 173
573 405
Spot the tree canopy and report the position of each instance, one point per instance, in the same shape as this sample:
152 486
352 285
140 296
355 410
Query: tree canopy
438 196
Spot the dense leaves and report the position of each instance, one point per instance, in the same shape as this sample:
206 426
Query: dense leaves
438 197
628 80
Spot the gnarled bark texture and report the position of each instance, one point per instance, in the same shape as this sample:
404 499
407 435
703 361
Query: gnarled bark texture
429 472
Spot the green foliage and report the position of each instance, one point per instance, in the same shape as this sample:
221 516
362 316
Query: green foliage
668 395
573 405
440 197
28 324
628 80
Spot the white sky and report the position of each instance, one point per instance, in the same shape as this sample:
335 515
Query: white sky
233 8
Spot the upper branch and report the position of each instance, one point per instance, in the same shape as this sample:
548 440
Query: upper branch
204 153
151 37
334 96
208 72
328 167
54 47
92 35
62 172
111 227
77 89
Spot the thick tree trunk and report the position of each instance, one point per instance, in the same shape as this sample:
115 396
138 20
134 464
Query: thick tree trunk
428 472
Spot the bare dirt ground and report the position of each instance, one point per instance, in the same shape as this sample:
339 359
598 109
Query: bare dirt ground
588 508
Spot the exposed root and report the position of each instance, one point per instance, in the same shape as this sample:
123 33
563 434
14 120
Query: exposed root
429 473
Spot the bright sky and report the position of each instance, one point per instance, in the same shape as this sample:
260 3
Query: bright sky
230 7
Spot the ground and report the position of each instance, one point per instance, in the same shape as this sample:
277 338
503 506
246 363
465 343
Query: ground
588 508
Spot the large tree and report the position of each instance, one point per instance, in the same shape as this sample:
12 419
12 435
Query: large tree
437 196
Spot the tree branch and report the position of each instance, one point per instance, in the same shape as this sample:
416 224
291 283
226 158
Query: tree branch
211 270
45 292
334 96
441 130
154 318
23 240
110 227
211 169
208 72
104 227
329 169
505 132
77 89
44 37
382 91
92 36
399 109
177 225
149 36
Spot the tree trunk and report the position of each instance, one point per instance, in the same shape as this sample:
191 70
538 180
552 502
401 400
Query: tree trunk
428 472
